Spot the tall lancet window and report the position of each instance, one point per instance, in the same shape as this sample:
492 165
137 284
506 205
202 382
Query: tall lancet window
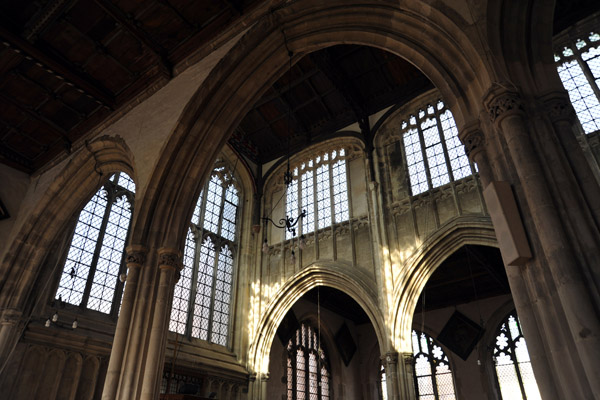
95 257
433 376
512 364
202 298
307 366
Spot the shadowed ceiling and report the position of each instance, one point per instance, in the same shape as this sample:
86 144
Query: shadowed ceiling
67 65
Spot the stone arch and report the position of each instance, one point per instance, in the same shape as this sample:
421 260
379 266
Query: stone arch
322 274
445 54
73 186
423 263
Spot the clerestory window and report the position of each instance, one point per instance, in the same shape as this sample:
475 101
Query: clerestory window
307 366
202 296
433 375
514 374
95 257
434 154
320 187
578 64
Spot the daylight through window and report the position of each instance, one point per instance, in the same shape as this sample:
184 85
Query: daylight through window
434 154
307 366
578 64
95 257
433 376
202 297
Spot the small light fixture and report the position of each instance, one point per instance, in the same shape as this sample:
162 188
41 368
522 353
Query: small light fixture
123 277
55 316
302 242
47 324
75 324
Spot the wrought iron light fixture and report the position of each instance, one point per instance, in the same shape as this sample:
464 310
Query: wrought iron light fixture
289 223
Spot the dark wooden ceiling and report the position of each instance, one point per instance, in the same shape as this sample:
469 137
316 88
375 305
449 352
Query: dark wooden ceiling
67 65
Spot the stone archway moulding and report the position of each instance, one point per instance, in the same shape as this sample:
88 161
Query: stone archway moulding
307 279
65 197
423 263
422 34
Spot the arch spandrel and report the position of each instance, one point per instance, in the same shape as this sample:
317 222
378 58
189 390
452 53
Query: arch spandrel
443 52
319 274
422 264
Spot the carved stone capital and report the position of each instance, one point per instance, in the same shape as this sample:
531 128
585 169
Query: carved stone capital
136 255
10 316
252 377
265 376
473 140
408 358
390 358
503 101
558 107
168 258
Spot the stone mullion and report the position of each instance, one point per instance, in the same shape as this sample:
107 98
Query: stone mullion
110 199
211 309
506 111
198 234
122 269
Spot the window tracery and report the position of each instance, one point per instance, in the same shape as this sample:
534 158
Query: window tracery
319 186
578 64
433 375
95 256
434 154
202 296
308 374
514 373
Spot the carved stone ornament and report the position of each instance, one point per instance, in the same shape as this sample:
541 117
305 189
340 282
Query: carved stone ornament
408 358
168 259
390 357
474 142
136 258
504 104
559 108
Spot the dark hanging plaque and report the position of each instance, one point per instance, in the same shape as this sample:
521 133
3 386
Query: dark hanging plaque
460 335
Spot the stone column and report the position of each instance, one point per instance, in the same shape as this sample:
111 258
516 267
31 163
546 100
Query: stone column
136 257
264 380
168 264
390 363
474 140
555 246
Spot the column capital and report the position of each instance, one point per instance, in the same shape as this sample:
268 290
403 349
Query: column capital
11 316
391 357
168 258
558 107
136 255
503 100
408 358
265 376
473 139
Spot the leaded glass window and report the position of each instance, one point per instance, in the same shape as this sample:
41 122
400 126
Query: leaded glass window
202 296
433 375
514 374
578 64
320 187
434 154
308 375
95 257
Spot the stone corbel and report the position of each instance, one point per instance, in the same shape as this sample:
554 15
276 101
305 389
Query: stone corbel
501 101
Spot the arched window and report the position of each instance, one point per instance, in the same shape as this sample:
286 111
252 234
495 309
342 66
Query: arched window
434 155
95 257
307 366
320 187
433 376
202 297
514 374
578 63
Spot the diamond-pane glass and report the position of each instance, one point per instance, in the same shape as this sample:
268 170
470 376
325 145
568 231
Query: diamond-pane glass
582 95
110 257
434 150
213 204
126 182
512 364
181 295
202 303
433 376
459 162
308 202
220 322
229 213
323 196
307 368
292 206
416 166
81 252
340 191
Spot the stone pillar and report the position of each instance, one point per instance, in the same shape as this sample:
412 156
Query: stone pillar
555 248
474 140
136 256
168 264
390 363
264 380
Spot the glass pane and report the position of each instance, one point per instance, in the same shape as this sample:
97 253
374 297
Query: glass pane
229 213
110 257
79 258
581 94
213 204
181 295
292 206
435 153
340 192
202 303
308 202
126 182
459 162
323 196
220 322
416 165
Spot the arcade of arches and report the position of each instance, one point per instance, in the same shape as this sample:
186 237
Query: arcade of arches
139 266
